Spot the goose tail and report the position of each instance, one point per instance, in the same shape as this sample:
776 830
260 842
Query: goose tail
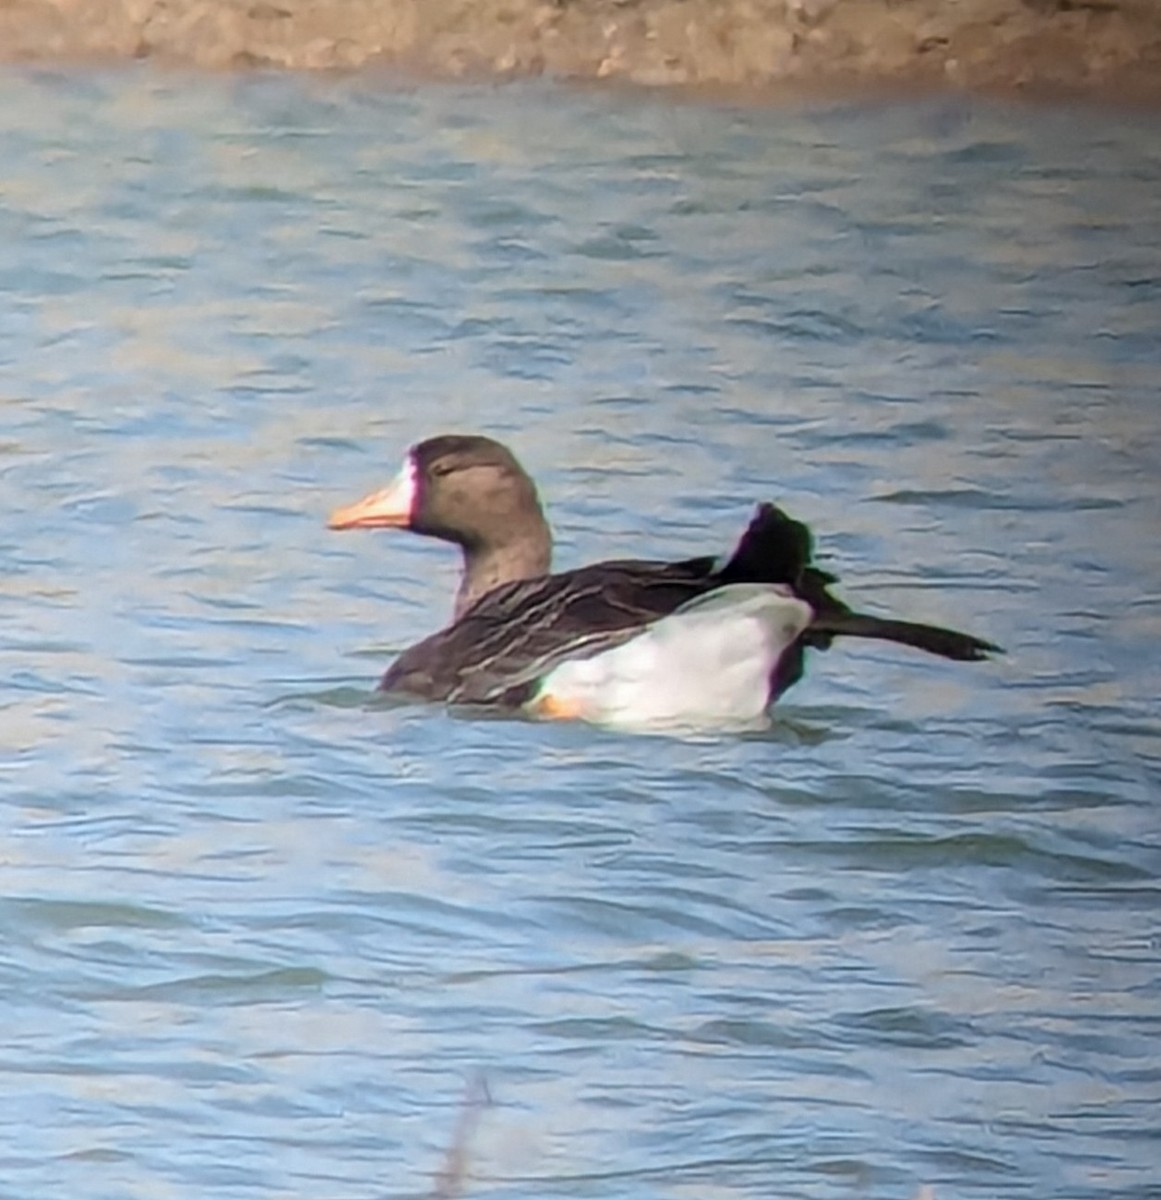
774 548
934 639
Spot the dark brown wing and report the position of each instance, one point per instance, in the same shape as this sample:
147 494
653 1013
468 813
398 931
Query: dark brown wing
499 648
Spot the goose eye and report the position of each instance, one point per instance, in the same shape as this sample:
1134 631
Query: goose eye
442 468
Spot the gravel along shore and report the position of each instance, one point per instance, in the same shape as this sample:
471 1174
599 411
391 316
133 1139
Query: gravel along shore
1104 47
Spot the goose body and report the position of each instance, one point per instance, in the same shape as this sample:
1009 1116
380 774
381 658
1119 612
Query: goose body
629 643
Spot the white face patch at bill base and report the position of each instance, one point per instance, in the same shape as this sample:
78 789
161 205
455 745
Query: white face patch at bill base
403 489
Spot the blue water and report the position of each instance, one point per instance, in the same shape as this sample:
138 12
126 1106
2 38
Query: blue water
258 934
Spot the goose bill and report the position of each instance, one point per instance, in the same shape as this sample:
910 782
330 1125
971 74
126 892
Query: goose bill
389 508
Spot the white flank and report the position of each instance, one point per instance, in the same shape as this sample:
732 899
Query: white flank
706 666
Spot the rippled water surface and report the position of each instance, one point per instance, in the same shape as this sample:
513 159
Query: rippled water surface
259 934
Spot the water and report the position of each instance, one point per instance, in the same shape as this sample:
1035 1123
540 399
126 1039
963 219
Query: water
259 934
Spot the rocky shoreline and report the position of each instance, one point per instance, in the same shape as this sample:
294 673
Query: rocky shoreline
1099 47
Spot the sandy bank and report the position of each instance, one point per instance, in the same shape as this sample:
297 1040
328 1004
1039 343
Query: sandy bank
1105 46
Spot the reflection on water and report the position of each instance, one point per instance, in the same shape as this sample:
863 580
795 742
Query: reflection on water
258 931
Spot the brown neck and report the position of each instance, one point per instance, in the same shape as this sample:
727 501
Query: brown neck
487 567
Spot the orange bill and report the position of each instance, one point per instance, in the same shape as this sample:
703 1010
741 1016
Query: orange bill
386 509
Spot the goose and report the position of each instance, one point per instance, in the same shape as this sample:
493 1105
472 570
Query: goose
629 643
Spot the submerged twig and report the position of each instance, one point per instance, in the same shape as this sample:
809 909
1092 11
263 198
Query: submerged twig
449 1179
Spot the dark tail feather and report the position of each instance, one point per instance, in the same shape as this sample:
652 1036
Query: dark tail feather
947 643
774 549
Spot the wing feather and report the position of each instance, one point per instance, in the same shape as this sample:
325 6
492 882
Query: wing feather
517 633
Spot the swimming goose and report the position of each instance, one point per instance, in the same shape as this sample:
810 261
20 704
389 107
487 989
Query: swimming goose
631 643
